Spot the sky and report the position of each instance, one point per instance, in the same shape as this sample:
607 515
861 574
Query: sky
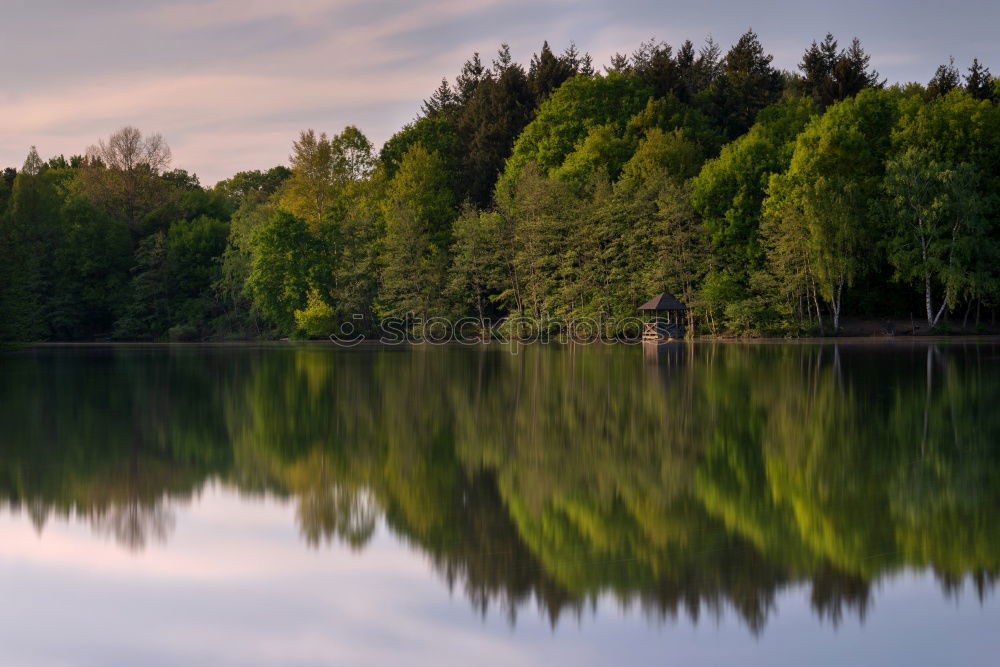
233 584
230 83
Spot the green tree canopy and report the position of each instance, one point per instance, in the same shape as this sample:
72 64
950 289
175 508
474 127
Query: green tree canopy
568 116
418 211
832 186
281 267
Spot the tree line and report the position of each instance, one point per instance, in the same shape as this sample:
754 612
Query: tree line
771 202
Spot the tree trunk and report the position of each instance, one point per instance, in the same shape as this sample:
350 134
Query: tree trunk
940 312
515 284
837 296
819 313
927 296
482 322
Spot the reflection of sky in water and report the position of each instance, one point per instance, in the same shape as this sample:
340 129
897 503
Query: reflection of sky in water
235 585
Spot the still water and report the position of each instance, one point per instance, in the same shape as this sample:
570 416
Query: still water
307 505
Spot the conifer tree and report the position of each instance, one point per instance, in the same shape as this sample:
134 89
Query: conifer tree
442 102
490 123
979 81
852 72
830 75
574 61
473 73
685 62
747 84
946 79
708 66
653 63
619 64
547 72
817 69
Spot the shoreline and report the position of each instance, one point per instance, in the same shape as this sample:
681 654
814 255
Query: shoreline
374 343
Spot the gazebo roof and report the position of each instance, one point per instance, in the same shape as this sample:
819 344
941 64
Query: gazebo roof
663 302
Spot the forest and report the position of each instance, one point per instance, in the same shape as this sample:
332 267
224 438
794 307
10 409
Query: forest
772 203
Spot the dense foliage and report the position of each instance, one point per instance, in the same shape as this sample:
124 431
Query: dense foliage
771 202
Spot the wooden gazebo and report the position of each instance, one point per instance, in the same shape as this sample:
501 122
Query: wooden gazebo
668 318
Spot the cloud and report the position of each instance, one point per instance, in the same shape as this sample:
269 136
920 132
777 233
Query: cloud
351 69
193 14
229 83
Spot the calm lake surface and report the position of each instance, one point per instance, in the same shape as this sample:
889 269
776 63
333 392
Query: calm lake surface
773 504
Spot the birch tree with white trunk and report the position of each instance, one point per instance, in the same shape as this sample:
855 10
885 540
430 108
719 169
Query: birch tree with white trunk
936 218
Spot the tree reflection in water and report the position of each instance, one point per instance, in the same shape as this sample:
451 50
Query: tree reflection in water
687 479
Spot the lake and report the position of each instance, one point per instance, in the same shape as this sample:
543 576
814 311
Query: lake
714 504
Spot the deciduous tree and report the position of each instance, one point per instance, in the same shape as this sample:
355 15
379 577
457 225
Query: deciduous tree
418 212
122 175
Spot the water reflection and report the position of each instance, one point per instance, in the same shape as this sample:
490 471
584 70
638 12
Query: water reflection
685 480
